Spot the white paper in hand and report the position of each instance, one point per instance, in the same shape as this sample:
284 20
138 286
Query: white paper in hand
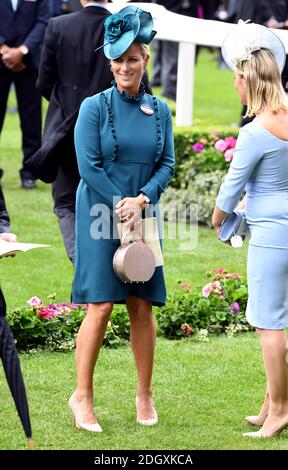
12 248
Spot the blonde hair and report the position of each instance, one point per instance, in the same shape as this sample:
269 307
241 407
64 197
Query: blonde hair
144 49
263 80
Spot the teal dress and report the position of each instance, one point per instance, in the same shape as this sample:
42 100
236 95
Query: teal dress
121 151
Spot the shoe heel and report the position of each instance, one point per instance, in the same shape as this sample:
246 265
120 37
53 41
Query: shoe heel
75 423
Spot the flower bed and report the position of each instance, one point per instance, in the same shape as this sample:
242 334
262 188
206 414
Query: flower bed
219 307
216 308
55 325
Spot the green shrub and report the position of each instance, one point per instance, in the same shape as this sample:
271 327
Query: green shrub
201 191
202 159
205 161
219 307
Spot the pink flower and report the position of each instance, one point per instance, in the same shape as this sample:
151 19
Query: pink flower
231 141
214 133
49 312
221 145
187 330
235 276
217 288
214 287
186 287
229 154
207 289
219 270
35 302
198 147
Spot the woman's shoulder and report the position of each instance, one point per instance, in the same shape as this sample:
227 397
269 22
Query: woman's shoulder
251 130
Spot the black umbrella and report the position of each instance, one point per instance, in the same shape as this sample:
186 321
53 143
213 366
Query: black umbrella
13 374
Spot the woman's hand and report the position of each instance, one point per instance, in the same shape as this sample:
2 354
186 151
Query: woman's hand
130 208
8 237
217 219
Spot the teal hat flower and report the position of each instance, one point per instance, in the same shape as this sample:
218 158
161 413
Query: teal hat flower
123 28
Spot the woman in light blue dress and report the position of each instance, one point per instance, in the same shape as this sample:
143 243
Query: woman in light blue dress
124 147
260 166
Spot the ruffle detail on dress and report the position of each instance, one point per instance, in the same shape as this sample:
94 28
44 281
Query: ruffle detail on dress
128 98
158 130
111 124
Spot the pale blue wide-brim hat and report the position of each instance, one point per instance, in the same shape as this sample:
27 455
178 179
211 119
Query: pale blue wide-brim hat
246 38
123 28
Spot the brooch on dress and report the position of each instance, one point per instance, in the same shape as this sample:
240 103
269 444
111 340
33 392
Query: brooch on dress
146 109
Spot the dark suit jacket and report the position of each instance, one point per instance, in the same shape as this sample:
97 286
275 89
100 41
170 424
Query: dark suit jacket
24 26
70 70
4 217
4 227
177 7
279 9
258 11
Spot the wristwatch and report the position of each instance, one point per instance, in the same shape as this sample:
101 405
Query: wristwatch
24 49
146 198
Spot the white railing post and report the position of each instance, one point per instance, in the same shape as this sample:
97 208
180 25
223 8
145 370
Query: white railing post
185 84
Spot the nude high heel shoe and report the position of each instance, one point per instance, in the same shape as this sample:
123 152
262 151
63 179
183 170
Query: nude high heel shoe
92 427
277 430
147 422
257 420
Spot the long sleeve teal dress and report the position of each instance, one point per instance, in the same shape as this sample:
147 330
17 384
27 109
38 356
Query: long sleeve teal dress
260 165
121 151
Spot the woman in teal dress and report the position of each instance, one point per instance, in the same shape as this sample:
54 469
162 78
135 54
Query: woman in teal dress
124 146
260 165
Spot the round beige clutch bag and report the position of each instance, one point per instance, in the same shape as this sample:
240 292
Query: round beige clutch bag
134 261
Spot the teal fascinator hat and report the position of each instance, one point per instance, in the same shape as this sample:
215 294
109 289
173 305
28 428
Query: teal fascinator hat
123 28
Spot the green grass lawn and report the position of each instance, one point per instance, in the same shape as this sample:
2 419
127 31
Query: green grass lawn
202 390
202 393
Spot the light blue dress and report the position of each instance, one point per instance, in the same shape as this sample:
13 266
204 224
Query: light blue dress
260 165
121 152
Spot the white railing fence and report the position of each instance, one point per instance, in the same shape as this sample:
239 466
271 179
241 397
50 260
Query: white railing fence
188 32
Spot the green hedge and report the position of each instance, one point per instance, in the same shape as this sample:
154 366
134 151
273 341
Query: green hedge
198 174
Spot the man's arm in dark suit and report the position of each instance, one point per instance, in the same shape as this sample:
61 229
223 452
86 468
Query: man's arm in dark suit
4 217
35 37
48 73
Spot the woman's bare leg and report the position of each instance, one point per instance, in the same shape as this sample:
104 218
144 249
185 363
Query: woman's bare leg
273 344
143 340
89 341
